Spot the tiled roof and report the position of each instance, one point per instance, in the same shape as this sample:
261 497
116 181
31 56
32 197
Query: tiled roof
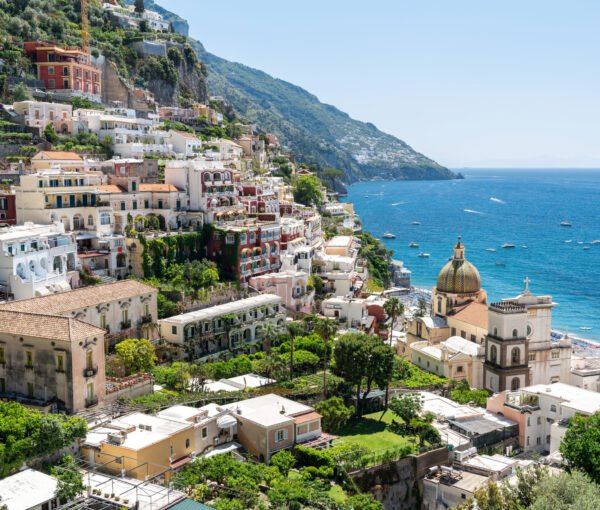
46 326
474 313
110 188
80 298
158 187
63 155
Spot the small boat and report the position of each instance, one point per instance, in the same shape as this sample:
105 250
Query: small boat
508 245
565 223
501 264
586 247
569 241
413 245
585 328
524 246
596 241
490 249
579 242
389 235
415 222
424 255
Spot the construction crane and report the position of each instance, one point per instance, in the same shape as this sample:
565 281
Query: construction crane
85 27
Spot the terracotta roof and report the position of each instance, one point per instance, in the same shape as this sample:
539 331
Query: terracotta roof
79 298
474 313
303 418
110 188
158 187
62 155
46 326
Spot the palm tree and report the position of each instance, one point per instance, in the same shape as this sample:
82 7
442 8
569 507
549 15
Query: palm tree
326 329
394 308
270 332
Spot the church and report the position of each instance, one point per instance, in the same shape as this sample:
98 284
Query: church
515 346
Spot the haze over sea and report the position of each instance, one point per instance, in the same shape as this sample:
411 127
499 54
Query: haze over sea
492 207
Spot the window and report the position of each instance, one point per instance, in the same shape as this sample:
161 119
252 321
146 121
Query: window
515 333
532 356
134 205
555 354
459 369
29 358
65 71
539 420
51 84
495 331
529 421
171 451
527 440
60 363
552 408
146 204
515 384
187 443
134 186
453 331
89 359
204 432
90 221
473 338
103 321
105 219
2 355
538 441
124 315
493 354
146 309
281 435
173 330
463 334
30 389
65 84
51 70
548 439
515 355
122 206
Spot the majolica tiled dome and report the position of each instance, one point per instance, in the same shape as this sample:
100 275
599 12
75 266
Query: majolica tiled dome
459 276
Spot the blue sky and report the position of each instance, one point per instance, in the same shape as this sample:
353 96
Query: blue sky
511 83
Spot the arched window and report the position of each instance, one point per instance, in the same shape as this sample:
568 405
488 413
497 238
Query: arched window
57 265
515 333
90 221
515 355
515 384
493 353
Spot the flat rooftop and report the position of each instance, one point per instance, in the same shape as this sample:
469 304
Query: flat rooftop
27 489
572 397
268 410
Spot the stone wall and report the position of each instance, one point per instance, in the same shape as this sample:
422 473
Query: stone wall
398 484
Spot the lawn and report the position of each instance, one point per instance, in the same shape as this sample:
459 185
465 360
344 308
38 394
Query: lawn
370 431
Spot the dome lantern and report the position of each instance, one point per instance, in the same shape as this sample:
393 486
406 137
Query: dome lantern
459 276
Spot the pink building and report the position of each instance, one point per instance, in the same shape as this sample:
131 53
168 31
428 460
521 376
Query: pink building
290 286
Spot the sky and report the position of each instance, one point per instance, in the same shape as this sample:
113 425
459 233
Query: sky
469 83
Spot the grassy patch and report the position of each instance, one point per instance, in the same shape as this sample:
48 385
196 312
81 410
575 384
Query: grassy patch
337 494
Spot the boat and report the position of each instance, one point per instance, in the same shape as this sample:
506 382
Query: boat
501 264
490 249
415 222
565 223
596 241
579 242
585 328
508 245
389 235
424 255
413 245
586 247
524 246
570 241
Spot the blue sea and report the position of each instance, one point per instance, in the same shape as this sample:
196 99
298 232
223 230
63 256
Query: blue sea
492 207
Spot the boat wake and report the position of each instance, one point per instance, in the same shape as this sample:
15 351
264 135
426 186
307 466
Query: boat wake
397 203
497 200
472 211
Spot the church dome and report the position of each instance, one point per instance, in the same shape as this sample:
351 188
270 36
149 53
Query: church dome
459 276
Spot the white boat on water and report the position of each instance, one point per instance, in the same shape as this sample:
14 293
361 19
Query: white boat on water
508 245
586 247
565 223
413 245
415 222
585 328
389 235
490 249
424 255
568 241
524 246
596 241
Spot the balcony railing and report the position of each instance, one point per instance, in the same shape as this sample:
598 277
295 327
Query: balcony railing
146 319
90 371
89 402
125 324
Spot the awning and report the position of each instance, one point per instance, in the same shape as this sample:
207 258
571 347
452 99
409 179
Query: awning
226 421
181 462
303 418
224 448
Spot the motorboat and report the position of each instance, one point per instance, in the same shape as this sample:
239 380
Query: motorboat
596 241
415 222
585 328
571 240
501 264
389 235
565 223
424 255
586 247
508 245
490 249
413 245
524 246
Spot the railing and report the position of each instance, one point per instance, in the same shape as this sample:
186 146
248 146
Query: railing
125 324
146 319
90 371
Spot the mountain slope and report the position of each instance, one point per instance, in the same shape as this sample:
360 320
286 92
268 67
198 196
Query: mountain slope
315 132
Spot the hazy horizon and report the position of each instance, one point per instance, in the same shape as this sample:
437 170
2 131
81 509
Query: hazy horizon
466 83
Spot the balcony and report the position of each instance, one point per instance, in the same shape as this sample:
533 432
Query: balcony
89 402
90 371
125 325
146 319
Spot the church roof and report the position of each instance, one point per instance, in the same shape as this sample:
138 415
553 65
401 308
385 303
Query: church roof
474 313
459 276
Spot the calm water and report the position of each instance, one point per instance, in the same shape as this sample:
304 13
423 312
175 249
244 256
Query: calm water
490 208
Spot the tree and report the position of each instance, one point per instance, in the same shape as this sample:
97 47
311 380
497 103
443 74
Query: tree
270 333
326 329
49 134
283 460
20 93
334 412
422 308
407 407
136 354
332 175
566 491
139 6
580 446
307 190
362 502
361 358
394 308
70 478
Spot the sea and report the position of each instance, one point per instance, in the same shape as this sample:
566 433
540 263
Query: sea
492 207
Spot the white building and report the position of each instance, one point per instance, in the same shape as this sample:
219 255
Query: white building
29 490
187 144
36 260
222 329
39 114
351 311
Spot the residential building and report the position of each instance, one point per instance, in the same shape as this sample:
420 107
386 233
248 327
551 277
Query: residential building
49 361
585 372
187 144
66 161
8 209
123 309
177 114
240 382
542 412
223 329
290 286
67 71
39 114
29 490
352 312
36 260
227 149
271 423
